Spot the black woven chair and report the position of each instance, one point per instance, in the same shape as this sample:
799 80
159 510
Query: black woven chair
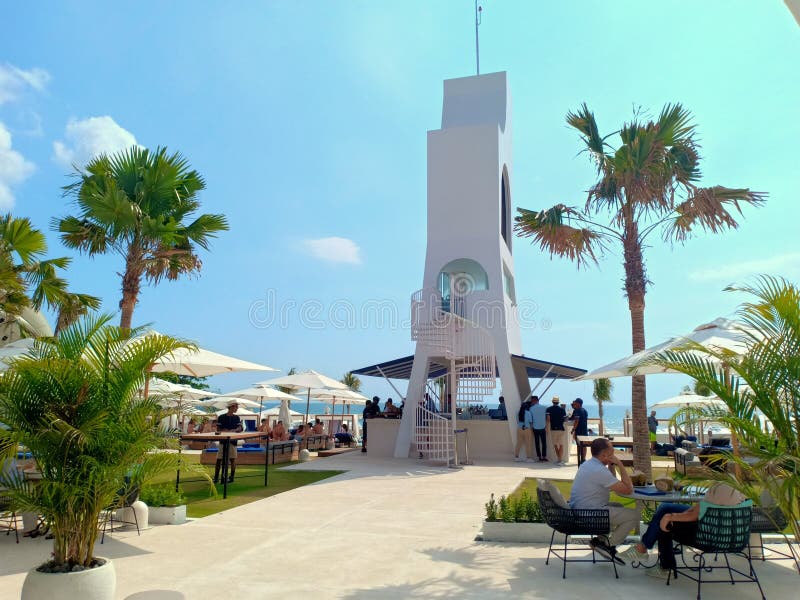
771 520
573 522
125 499
724 531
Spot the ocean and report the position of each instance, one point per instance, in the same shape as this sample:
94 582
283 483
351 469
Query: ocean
613 414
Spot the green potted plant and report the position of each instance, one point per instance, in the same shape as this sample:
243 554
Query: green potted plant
166 505
516 518
74 402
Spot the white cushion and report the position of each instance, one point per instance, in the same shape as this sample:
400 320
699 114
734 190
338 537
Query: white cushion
547 486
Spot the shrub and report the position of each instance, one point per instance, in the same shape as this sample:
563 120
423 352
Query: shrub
507 514
522 509
491 509
162 495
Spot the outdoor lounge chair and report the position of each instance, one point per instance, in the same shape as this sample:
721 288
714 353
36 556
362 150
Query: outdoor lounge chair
571 522
771 520
9 519
724 531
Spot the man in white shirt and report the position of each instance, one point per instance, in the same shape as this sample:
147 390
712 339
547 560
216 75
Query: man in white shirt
591 489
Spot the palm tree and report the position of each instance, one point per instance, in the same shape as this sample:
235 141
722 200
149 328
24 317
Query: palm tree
646 184
769 370
27 279
287 390
601 394
351 381
138 203
74 402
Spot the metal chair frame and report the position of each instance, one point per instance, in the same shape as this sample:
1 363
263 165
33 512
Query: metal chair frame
771 520
724 531
573 522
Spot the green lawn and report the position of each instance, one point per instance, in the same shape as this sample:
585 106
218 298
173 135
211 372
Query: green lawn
248 486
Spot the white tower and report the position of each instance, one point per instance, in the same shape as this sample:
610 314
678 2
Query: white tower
465 317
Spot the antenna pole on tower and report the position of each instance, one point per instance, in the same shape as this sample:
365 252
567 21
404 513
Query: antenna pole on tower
478 11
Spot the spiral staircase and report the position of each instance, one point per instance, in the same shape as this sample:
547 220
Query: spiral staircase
441 325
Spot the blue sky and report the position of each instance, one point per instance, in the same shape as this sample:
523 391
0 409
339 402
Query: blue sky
308 121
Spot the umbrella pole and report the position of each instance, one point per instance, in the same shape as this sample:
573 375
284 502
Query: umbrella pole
308 402
333 415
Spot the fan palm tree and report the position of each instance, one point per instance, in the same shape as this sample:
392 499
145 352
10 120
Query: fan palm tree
138 203
647 184
769 369
27 279
351 381
601 394
73 401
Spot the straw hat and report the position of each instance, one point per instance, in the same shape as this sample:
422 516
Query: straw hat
556 399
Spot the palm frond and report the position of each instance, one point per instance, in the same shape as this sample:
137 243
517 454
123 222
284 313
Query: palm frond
710 210
551 231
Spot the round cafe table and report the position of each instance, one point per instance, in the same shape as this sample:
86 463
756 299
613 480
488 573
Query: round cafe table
650 496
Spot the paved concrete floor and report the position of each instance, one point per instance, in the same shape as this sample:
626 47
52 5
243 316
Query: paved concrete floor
384 529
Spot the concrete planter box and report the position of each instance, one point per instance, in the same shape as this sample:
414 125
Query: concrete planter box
499 531
168 515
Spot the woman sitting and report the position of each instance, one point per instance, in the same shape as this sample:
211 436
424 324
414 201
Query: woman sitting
678 522
300 433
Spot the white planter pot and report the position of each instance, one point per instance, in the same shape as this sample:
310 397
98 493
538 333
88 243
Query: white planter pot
99 583
168 515
499 531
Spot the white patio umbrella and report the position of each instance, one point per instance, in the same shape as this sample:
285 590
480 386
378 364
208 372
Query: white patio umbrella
201 363
262 393
176 396
682 400
719 334
347 396
307 380
282 412
223 401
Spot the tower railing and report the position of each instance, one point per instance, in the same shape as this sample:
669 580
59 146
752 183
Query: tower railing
433 436
442 326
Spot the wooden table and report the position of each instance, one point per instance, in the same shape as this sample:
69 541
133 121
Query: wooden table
226 437
619 441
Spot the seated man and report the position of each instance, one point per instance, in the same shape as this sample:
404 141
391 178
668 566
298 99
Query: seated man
344 436
390 410
591 489
279 433
318 428
678 522
264 427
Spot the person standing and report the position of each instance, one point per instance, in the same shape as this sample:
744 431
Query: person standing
556 415
501 407
580 425
524 434
227 423
539 427
652 426
369 412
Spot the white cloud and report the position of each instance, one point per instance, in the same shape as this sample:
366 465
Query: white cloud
90 137
334 249
14 169
786 265
14 81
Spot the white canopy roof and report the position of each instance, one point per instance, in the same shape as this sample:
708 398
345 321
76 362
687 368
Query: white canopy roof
682 400
306 380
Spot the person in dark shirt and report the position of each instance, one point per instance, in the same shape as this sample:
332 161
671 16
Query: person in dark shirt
229 422
370 412
580 424
556 415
